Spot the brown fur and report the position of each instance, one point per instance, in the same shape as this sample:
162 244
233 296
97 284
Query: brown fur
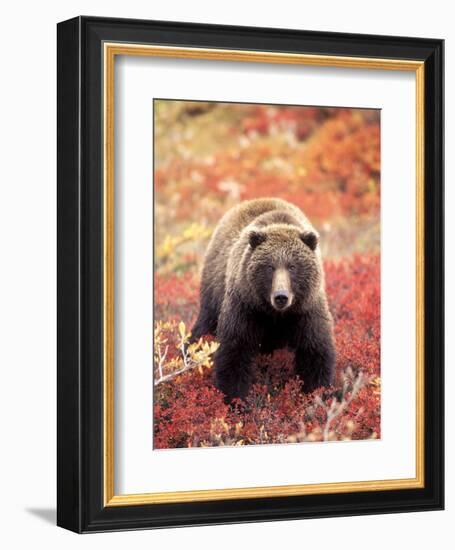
256 244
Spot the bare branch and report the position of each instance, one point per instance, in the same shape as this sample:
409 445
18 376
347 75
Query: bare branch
337 407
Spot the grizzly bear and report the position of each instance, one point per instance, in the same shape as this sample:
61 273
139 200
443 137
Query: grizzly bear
262 289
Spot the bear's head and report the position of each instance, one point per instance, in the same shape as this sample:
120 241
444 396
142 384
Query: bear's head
283 267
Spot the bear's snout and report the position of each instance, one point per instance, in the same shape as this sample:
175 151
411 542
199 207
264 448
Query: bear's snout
282 296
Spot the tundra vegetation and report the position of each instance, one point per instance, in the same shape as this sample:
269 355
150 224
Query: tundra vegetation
210 156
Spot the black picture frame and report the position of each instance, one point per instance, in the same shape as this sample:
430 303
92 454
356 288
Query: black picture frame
80 476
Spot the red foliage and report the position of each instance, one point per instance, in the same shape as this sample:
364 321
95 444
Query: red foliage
176 296
328 165
189 410
265 119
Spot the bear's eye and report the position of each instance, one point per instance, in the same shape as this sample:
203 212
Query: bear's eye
291 267
270 268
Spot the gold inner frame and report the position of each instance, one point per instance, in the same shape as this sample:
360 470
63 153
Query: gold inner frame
110 51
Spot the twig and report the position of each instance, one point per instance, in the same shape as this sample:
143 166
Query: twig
189 358
173 374
161 359
337 407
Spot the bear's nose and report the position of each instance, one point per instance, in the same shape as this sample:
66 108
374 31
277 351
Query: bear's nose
280 298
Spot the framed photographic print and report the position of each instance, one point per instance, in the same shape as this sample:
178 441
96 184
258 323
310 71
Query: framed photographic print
250 274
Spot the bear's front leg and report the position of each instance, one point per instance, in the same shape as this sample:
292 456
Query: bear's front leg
315 353
233 369
239 343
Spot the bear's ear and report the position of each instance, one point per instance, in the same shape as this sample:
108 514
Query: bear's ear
256 238
310 239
